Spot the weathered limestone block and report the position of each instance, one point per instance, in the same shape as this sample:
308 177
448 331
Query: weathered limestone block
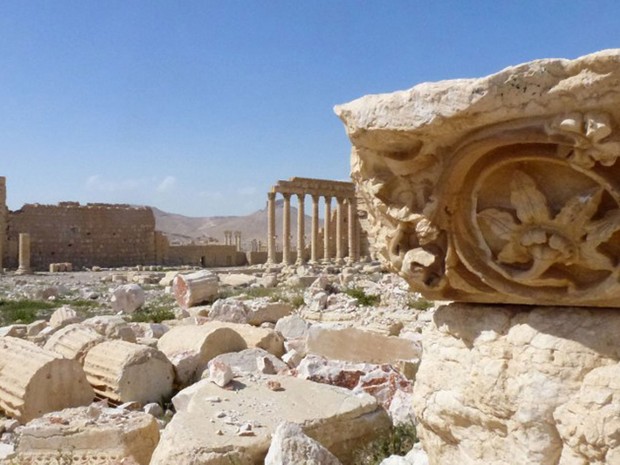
589 423
64 316
207 431
264 311
247 361
112 327
290 446
34 381
262 338
74 341
190 348
357 345
292 327
123 371
499 189
89 435
195 288
127 298
514 384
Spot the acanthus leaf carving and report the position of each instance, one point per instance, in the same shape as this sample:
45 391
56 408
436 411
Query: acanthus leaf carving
589 132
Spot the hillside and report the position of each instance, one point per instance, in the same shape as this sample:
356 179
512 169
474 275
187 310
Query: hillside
185 229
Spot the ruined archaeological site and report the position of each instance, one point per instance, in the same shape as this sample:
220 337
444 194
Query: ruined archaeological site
457 303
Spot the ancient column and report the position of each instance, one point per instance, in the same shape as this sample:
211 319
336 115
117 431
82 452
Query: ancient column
314 239
301 228
352 218
24 254
238 240
3 219
326 228
339 221
286 230
271 227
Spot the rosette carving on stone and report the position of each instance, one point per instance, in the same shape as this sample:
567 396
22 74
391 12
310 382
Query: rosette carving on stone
502 189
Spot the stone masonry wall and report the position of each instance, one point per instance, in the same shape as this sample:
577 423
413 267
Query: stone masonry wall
85 235
205 255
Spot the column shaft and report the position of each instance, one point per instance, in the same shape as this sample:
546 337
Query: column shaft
24 254
352 218
339 225
286 230
314 238
327 228
301 228
271 227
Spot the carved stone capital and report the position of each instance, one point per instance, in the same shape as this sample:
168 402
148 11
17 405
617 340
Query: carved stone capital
499 189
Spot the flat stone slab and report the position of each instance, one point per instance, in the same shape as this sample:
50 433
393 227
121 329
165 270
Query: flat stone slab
89 435
213 427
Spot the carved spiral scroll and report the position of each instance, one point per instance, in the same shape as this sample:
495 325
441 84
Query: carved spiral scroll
535 214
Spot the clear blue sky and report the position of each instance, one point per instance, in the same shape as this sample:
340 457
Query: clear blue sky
198 107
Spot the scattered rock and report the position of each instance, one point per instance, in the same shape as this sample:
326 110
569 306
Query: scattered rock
190 348
220 373
356 345
127 298
74 341
34 381
290 446
195 288
123 371
342 423
87 435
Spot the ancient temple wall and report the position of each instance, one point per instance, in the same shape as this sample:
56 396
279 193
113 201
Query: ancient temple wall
85 235
205 255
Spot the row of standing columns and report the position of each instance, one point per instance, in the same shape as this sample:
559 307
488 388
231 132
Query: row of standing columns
228 238
352 236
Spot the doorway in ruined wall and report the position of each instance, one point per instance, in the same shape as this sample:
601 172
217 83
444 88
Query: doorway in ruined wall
203 262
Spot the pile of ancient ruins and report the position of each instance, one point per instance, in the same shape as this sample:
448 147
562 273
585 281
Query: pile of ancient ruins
498 198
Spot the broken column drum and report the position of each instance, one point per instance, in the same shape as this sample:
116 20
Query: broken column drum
499 189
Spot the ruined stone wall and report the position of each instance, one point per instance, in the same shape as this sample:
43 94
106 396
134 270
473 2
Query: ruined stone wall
85 235
205 255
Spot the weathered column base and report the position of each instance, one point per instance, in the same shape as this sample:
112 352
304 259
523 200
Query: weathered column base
518 384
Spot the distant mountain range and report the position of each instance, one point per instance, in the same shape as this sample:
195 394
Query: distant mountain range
185 229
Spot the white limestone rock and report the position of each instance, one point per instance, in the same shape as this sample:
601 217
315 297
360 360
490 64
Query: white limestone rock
190 348
195 288
292 327
519 384
34 381
74 341
220 373
64 316
111 327
230 310
290 446
124 371
357 345
127 298
247 361
206 431
263 310
90 435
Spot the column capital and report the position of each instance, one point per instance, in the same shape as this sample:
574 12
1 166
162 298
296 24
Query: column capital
271 195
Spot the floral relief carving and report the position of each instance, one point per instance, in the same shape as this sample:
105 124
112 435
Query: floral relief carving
536 239
590 133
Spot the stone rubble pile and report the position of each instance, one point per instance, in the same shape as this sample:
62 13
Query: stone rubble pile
240 367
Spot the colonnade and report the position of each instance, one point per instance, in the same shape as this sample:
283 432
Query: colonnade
228 238
344 206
